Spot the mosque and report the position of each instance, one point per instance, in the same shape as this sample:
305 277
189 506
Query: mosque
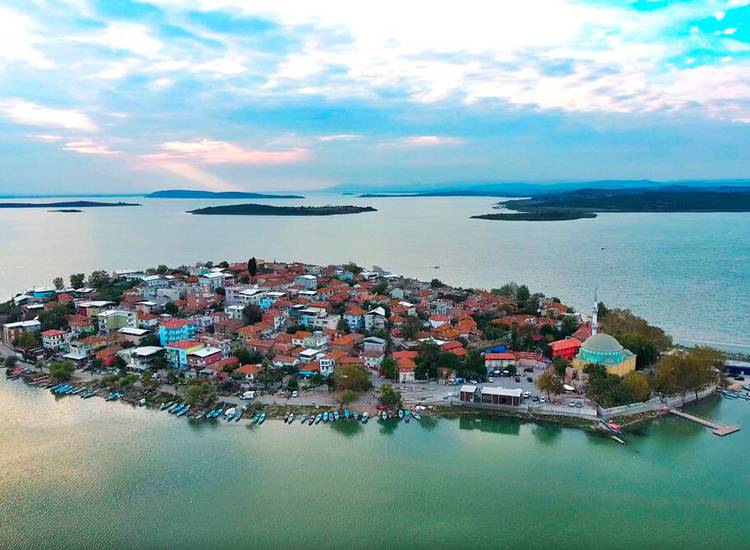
603 349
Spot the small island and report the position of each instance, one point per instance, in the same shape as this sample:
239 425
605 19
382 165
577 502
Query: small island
197 194
67 205
267 210
586 203
67 210
552 215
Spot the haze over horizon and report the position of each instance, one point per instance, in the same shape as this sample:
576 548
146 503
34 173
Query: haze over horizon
128 97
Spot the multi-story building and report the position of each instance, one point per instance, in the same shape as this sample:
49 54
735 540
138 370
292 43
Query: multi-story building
175 330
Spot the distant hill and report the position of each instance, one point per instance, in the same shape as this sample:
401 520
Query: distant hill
195 194
516 189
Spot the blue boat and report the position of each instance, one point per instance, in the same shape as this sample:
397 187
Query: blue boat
238 416
176 409
166 405
336 415
262 418
172 407
347 414
384 416
355 415
256 417
400 413
303 419
184 410
365 417
318 418
325 416
218 413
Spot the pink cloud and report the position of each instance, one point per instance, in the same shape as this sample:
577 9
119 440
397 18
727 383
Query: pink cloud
88 147
222 152
431 140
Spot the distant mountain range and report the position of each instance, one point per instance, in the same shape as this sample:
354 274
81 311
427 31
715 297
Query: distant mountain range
519 189
194 194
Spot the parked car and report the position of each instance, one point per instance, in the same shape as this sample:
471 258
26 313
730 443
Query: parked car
571 404
529 379
535 398
490 380
295 393
542 400
526 394
473 381
579 404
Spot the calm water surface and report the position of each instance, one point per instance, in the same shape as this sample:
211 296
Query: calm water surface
687 272
90 474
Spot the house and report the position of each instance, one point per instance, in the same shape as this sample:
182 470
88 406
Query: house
298 338
438 320
114 319
148 321
177 352
346 343
250 372
328 361
499 360
310 354
491 395
80 325
375 319
317 339
174 330
374 344
87 345
133 335
108 355
13 331
566 348
54 340
211 280
405 368
141 358
354 317
283 361
308 282
93 308
203 357
468 393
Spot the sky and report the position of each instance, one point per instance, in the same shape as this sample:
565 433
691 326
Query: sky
107 96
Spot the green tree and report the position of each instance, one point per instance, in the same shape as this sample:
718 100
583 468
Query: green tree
292 385
148 381
58 282
412 325
170 308
252 314
347 397
637 386
559 364
436 283
200 393
77 280
11 361
252 267
60 371
99 278
390 396
162 269
26 340
549 382
151 340
388 368
54 318
352 377
352 267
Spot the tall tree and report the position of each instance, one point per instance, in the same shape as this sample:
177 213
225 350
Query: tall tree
252 267
58 282
549 382
77 280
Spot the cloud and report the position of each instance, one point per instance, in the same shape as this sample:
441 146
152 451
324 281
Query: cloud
86 146
196 175
45 138
339 137
131 37
222 152
20 40
430 140
25 112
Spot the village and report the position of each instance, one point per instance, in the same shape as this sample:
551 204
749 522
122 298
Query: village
298 337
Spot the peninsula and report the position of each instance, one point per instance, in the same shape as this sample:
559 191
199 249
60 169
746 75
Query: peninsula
267 210
67 205
197 194
585 203
342 343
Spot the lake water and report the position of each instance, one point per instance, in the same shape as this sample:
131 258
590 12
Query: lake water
689 273
90 474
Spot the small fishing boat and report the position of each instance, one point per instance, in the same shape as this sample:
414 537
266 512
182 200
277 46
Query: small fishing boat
198 415
286 417
365 417
256 417
384 415
173 406
184 410
416 415
166 405
311 420
262 418
218 413
318 418
406 419
303 419
238 415
142 402
336 415
325 416
400 413
347 414
291 418
229 414
176 409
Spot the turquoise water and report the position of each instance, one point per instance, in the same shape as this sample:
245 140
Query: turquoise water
86 474
689 273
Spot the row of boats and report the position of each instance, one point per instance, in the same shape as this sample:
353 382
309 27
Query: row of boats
745 394
83 392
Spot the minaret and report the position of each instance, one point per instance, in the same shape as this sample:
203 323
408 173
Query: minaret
594 315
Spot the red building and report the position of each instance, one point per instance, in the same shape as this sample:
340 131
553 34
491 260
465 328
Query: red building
567 348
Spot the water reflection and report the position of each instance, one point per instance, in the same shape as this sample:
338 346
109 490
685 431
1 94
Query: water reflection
387 427
347 428
510 426
428 423
546 434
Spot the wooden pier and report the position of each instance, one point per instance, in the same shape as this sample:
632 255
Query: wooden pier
718 429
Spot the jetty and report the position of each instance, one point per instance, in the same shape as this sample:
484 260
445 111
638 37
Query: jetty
718 429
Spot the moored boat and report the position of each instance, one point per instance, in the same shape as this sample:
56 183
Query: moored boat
347 414
325 416
336 415
166 405
365 417
291 418
303 419
400 413
384 415
262 418
318 418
